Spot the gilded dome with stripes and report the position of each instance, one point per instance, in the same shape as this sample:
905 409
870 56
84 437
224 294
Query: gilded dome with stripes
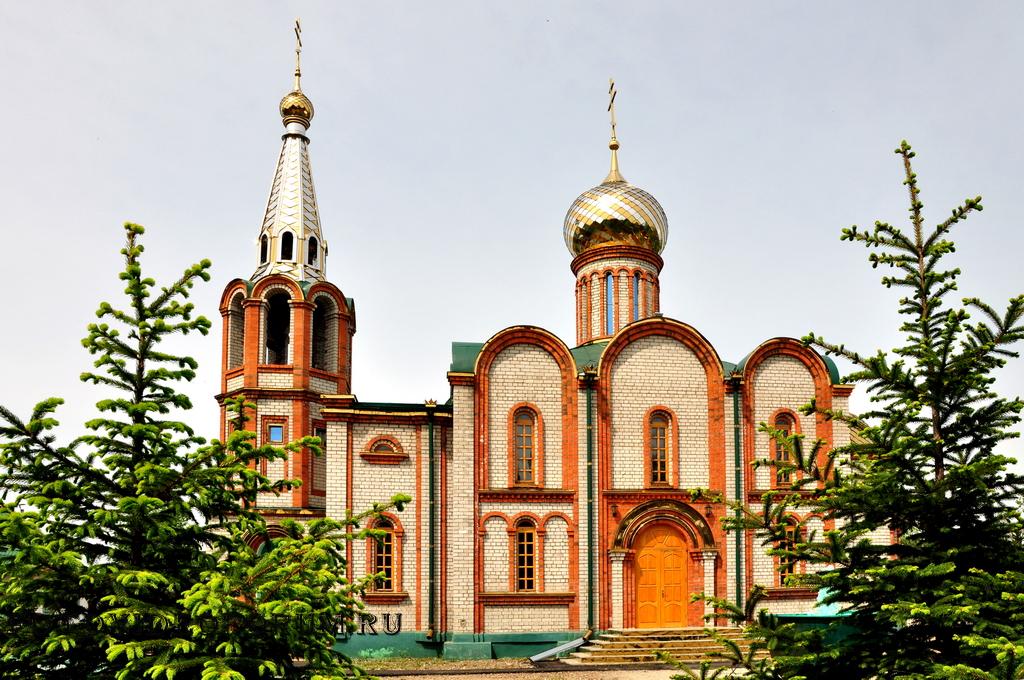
615 212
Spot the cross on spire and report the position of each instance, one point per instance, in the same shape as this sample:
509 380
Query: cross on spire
298 55
613 175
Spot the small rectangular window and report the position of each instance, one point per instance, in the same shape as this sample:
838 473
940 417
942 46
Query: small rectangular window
275 434
609 305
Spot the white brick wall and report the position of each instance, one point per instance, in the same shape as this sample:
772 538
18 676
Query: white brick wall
276 380
556 556
524 373
235 383
496 557
518 619
323 385
658 370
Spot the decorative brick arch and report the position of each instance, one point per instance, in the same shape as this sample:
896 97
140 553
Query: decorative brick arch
259 291
235 286
712 365
559 351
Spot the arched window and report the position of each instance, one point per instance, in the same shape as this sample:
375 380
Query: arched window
636 296
525 447
264 248
383 558
287 246
325 335
383 446
311 256
526 556
609 304
657 447
785 423
278 328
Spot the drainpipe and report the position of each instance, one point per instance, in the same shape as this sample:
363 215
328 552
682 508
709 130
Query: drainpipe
588 376
431 522
738 475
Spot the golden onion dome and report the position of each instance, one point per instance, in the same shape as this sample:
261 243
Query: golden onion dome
296 108
615 212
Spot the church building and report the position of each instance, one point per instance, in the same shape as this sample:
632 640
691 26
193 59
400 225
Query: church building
565 485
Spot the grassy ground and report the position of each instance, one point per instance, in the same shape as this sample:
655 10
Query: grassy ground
403 664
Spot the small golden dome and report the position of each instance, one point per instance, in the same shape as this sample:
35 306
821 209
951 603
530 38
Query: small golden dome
615 212
296 108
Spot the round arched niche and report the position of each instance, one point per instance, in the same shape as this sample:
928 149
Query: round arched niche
691 522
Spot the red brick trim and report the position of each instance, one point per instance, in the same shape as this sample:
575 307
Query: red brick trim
278 281
519 598
526 495
796 593
616 252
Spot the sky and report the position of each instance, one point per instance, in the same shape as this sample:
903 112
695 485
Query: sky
449 140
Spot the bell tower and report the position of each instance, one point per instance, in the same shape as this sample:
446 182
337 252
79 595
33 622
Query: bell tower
287 329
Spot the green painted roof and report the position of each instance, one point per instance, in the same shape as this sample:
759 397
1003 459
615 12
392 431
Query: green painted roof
588 354
464 356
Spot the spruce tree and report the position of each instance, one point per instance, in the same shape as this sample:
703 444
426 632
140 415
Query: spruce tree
926 556
127 552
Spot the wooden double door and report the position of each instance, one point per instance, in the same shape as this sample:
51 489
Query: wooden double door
661 563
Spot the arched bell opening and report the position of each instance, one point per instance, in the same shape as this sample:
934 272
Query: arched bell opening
236 331
325 334
278 328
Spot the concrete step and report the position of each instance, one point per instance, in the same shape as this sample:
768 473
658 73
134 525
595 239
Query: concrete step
634 646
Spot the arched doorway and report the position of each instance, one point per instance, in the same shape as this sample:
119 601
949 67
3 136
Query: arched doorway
661 576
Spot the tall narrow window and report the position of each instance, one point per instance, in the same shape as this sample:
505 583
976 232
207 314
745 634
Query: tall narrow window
311 256
658 432
783 422
287 246
636 297
384 556
525 447
585 312
609 304
264 248
526 557
787 563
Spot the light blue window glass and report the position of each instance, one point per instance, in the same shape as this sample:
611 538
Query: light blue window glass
636 297
609 305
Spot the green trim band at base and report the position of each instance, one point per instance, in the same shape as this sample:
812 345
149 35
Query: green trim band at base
455 646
